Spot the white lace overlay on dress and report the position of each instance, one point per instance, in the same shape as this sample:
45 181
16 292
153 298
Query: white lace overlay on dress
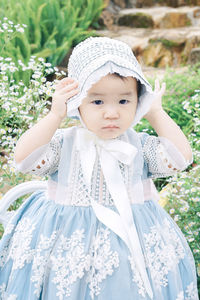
44 160
162 157
70 262
103 261
40 261
78 191
20 251
137 278
4 295
164 251
190 293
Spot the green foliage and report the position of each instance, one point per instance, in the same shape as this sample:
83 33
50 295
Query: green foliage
184 206
53 27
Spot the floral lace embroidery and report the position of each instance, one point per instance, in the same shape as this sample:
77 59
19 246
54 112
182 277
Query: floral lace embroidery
40 261
2 291
4 295
20 250
103 261
164 251
69 262
191 292
180 296
137 278
3 255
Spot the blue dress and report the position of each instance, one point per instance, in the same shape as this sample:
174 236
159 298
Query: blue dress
56 247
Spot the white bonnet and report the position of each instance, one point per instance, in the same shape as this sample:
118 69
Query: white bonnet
98 56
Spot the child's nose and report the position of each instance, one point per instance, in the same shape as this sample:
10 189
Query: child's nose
111 112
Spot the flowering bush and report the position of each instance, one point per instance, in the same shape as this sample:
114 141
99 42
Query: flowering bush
183 191
184 207
21 102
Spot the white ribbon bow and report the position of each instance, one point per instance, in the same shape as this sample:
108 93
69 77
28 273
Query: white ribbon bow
122 223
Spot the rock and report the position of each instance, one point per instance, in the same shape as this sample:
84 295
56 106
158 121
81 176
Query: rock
193 41
107 19
196 13
150 3
194 57
120 3
175 43
175 19
157 55
106 3
159 17
137 20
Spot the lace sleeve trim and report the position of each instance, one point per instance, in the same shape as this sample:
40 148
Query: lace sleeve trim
44 160
162 157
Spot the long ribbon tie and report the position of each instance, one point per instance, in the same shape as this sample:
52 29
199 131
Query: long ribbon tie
122 223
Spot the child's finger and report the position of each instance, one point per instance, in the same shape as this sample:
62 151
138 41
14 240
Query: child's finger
69 88
63 82
71 94
157 85
163 88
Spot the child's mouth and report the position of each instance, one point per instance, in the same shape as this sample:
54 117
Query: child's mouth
111 127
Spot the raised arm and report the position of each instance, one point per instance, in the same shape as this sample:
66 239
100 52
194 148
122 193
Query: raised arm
42 132
165 126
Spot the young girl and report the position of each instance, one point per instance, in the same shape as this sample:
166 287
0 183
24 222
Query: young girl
98 232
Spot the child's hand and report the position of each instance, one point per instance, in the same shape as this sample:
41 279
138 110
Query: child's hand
156 105
65 89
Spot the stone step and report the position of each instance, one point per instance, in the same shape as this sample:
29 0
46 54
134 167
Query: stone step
158 47
160 17
117 4
154 17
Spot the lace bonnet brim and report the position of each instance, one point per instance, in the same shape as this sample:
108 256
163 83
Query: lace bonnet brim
96 57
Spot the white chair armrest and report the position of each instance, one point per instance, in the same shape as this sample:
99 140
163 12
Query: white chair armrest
18 191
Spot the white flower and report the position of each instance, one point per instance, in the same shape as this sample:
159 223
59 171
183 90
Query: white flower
2 131
12 69
190 239
176 218
20 29
184 209
12 170
14 109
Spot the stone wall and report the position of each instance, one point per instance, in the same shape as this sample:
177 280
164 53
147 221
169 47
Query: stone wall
149 3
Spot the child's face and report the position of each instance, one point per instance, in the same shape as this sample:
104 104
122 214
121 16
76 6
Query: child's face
110 106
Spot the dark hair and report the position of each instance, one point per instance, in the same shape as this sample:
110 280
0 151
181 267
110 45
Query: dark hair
139 85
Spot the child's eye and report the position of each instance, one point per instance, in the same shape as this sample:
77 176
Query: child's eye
97 102
123 101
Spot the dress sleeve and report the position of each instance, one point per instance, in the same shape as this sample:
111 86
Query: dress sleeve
162 157
44 160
